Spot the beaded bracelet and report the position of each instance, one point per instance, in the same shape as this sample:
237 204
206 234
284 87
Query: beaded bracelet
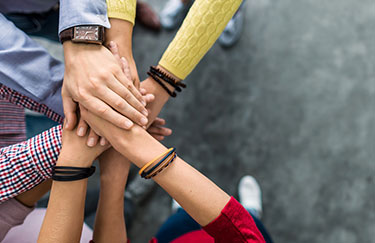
68 173
167 78
155 78
159 76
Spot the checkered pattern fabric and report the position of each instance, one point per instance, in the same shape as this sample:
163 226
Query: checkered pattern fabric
12 123
24 101
26 164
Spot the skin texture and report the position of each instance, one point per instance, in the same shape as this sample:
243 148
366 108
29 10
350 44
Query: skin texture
64 217
200 197
94 78
109 221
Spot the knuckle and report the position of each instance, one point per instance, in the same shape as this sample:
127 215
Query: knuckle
120 104
126 96
129 86
102 110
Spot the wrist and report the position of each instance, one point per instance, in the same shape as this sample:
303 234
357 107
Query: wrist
72 158
72 49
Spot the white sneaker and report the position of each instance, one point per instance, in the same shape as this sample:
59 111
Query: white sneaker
233 30
250 195
173 14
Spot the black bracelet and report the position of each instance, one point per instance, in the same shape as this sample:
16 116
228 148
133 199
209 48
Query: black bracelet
154 77
167 78
68 173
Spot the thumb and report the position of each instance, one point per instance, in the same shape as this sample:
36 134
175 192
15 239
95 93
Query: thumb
70 108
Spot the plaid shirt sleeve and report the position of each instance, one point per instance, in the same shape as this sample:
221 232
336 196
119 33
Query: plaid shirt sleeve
26 164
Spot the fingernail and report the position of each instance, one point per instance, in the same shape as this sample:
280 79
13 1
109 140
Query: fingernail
144 103
145 112
91 142
169 131
144 121
102 142
81 132
128 124
111 44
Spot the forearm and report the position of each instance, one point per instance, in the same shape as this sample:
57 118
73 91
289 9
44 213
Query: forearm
199 31
64 217
31 197
109 221
200 197
63 221
27 164
121 32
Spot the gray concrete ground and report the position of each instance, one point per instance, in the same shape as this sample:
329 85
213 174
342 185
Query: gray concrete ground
293 105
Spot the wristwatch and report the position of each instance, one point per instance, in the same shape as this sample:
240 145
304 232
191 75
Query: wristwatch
93 34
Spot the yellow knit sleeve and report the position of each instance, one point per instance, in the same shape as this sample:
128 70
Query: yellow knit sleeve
199 31
122 9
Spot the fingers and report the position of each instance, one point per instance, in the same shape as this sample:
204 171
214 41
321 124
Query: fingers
160 131
104 111
82 128
125 103
103 141
158 137
127 83
114 49
92 139
125 68
158 122
70 108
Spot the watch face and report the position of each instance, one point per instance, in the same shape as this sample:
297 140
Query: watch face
86 33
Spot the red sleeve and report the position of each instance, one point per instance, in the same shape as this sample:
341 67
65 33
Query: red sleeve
234 224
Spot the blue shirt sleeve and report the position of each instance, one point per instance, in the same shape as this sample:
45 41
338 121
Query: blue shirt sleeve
83 12
26 67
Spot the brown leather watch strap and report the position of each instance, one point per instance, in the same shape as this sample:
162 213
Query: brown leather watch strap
66 35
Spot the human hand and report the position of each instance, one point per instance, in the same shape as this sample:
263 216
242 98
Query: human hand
82 125
74 151
157 129
121 32
94 79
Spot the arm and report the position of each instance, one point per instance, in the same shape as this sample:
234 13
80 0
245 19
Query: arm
83 12
64 217
92 76
18 50
201 28
109 221
27 164
199 196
